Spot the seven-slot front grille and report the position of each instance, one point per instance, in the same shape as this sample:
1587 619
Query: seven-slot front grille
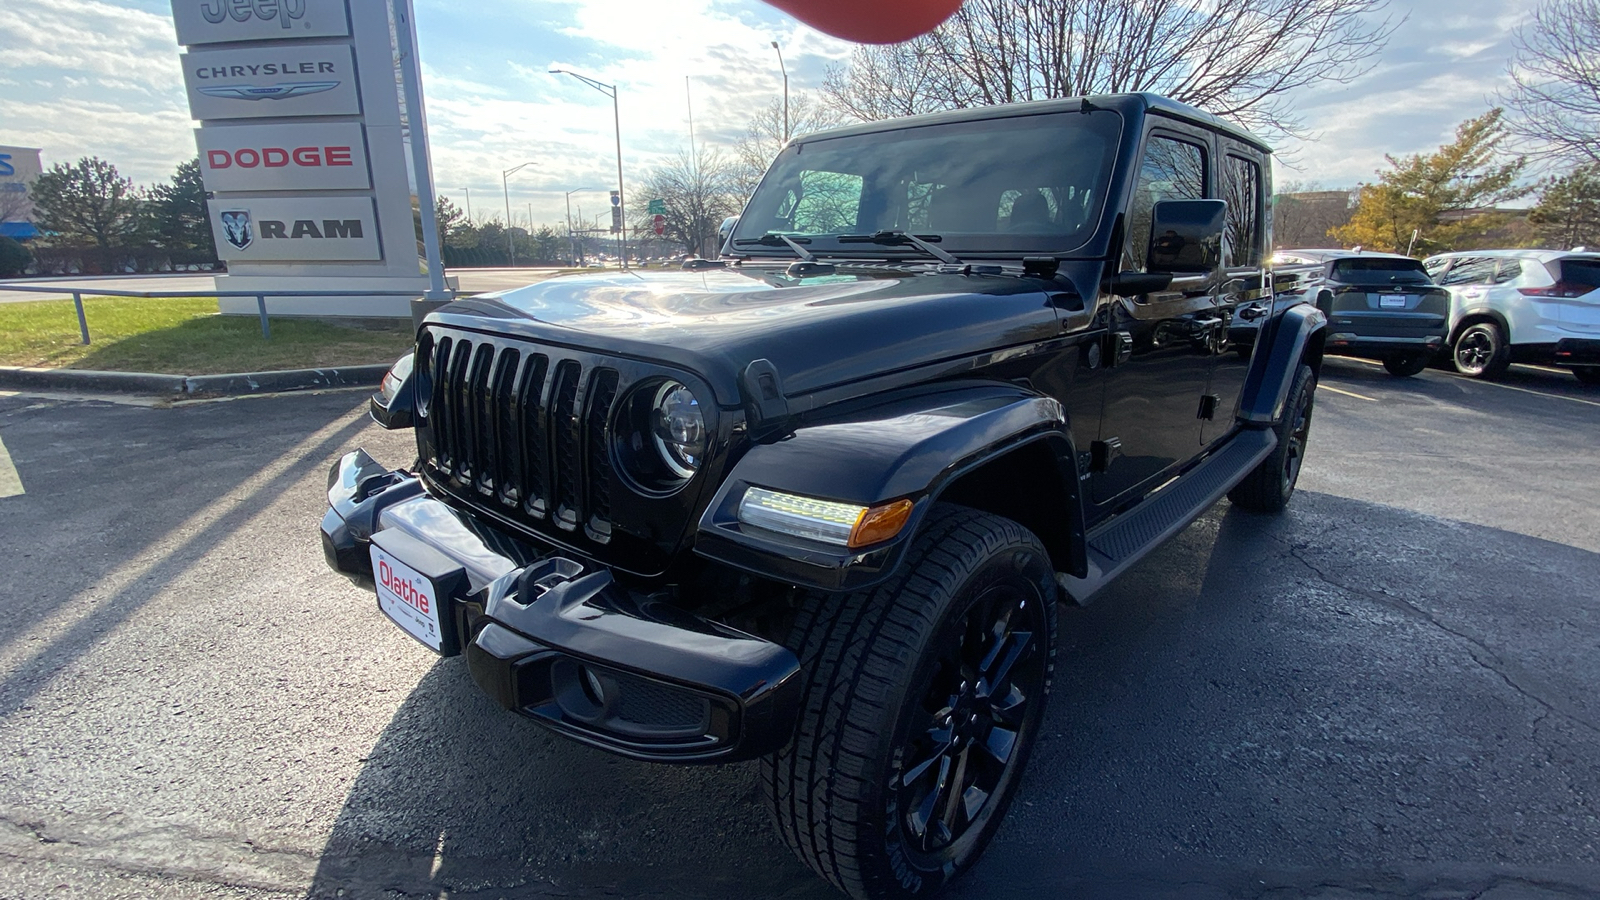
519 429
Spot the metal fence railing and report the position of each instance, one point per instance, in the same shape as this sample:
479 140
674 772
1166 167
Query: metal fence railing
261 299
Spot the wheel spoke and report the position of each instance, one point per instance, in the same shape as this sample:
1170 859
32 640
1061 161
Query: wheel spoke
954 792
972 800
999 744
998 678
1009 709
941 742
924 813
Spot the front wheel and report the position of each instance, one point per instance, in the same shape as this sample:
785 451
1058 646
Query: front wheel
1270 484
1482 352
1587 374
1406 364
922 700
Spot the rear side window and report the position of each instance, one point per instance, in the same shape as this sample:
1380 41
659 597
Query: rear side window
1582 273
1380 271
1508 270
1241 188
1472 270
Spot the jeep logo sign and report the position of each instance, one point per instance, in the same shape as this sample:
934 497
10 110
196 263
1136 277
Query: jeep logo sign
213 21
312 157
294 229
300 80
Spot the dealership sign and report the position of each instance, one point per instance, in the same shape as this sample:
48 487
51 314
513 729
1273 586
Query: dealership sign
299 157
302 80
295 229
216 21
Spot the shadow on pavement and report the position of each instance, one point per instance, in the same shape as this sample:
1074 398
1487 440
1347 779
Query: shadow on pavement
1267 706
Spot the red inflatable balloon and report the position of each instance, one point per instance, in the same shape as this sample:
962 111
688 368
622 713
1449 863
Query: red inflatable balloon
871 21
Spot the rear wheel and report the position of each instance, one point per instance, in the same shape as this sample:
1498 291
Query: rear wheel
923 698
1588 374
1481 351
1406 364
1270 484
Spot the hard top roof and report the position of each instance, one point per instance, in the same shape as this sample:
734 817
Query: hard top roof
1123 103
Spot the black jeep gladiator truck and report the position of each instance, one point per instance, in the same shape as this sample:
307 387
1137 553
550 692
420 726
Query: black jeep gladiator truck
815 503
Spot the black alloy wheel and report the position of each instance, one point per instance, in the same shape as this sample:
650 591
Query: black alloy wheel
962 748
1407 364
1481 351
1271 483
922 700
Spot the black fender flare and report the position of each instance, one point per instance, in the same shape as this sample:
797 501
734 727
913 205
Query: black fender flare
911 446
1295 334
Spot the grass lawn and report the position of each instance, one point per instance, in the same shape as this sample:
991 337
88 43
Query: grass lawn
186 336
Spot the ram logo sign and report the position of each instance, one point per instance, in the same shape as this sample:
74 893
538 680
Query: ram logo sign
295 229
214 21
300 80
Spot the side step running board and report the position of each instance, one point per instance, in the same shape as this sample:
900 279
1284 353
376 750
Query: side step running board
1124 540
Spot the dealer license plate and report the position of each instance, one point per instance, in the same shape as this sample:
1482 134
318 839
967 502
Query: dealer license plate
1393 301
408 598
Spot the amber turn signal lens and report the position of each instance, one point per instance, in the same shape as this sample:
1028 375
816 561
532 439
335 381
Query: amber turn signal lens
880 523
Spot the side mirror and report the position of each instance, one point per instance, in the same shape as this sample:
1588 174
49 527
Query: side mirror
1186 236
395 402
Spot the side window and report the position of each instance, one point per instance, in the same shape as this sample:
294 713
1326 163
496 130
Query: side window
827 204
1172 170
1508 270
1436 265
1470 270
1241 188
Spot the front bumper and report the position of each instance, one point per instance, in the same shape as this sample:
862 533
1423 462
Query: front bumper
559 641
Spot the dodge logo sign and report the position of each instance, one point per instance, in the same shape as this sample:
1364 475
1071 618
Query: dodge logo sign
236 227
299 156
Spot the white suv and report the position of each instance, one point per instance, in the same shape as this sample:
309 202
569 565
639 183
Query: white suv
1527 306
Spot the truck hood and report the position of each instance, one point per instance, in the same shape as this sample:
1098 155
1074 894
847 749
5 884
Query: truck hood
818 332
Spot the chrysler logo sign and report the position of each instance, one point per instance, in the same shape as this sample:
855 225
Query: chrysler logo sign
267 91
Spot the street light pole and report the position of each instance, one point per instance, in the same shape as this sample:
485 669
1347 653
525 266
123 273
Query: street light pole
505 176
468 192
785 70
616 116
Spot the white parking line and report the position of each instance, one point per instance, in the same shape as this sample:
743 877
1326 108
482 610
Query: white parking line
10 481
1325 387
1512 387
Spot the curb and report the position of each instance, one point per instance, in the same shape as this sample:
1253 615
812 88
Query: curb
237 383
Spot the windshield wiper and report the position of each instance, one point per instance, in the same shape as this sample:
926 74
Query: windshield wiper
897 238
774 239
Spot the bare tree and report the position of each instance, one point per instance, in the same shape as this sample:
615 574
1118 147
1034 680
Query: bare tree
1303 214
1555 74
1238 59
767 132
699 191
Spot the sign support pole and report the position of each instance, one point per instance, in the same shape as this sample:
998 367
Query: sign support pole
411 84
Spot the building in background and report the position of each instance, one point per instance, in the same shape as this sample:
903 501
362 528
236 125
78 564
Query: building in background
19 166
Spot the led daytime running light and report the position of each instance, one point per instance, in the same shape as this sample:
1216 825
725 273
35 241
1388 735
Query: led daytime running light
840 524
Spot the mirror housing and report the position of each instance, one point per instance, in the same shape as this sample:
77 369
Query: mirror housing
1186 236
1134 284
394 404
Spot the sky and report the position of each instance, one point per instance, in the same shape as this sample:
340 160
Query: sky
96 77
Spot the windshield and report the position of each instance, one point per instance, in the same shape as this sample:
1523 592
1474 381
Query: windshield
1381 271
1016 185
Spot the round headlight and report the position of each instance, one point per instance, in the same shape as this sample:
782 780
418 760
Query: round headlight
678 429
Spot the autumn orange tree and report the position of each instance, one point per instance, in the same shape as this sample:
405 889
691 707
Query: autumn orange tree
1446 197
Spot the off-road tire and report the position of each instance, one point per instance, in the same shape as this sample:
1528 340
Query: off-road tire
1587 374
1270 484
1407 364
1481 351
872 660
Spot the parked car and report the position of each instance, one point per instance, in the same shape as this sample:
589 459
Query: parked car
1526 306
815 504
1381 306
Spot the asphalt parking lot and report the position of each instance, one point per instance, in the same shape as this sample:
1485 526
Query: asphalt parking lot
1393 690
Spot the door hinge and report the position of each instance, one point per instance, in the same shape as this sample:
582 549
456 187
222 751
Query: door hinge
1208 406
1101 453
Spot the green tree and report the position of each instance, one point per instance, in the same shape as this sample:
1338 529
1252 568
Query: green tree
13 257
88 202
1446 197
179 221
1568 214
